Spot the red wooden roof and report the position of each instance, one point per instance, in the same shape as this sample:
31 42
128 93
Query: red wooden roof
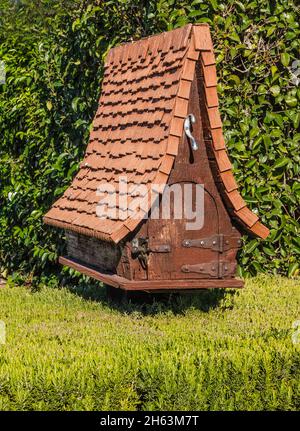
138 127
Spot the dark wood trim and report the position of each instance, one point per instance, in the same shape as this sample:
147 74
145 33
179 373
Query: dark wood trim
108 278
151 285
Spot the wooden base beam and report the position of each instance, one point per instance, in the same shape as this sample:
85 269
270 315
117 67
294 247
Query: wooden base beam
151 285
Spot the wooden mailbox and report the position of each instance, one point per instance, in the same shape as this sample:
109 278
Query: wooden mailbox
157 125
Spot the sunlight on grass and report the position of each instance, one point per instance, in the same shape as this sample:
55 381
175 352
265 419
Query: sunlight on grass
208 351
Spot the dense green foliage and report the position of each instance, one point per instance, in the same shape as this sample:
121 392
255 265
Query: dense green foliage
239 352
54 53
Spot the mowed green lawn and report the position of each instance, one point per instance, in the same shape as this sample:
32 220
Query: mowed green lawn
237 351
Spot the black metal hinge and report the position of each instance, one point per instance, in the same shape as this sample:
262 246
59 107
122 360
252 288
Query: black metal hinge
218 242
213 269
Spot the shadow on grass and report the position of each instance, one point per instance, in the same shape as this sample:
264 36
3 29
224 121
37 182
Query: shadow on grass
154 303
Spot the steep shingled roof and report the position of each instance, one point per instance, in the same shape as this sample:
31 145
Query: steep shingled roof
138 127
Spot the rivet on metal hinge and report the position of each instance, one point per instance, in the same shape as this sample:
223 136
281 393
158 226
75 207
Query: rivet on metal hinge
186 243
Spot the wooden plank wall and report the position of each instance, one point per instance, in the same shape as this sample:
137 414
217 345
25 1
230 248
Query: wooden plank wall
93 251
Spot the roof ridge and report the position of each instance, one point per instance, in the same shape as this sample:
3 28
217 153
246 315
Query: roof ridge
163 43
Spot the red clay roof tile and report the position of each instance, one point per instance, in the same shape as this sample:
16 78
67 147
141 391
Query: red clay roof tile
260 230
247 216
236 200
222 160
208 58
167 164
181 107
189 70
210 75
173 144
228 180
192 53
214 118
176 127
202 37
211 97
184 89
218 139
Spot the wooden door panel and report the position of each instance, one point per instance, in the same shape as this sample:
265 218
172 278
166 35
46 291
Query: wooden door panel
193 167
173 232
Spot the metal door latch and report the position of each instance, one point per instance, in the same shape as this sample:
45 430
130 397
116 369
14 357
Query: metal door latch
141 248
190 119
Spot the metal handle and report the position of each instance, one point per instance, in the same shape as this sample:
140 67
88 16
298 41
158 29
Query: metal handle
187 128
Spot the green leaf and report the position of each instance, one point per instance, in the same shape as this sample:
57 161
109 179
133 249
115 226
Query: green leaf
275 90
235 79
291 101
214 4
271 30
269 251
273 70
285 59
75 103
281 162
293 269
195 13
254 132
75 24
235 37
251 246
295 117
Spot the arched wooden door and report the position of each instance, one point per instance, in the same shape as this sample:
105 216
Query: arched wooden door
180 235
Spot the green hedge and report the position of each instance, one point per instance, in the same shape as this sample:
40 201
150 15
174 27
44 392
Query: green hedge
54 53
